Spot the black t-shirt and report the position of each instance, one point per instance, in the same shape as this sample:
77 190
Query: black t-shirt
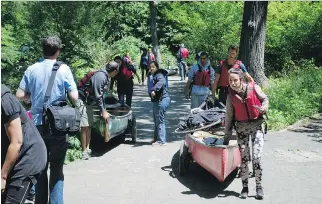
33 154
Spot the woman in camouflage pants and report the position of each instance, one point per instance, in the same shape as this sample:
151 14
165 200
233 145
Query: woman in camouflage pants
246 104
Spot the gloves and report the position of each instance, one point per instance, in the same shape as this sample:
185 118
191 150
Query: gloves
226 140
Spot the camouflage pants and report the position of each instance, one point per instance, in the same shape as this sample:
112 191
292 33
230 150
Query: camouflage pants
257 137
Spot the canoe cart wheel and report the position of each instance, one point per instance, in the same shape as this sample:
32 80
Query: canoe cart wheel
133 129
184 159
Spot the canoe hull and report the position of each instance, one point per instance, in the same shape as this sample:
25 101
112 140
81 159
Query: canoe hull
220 161
120 119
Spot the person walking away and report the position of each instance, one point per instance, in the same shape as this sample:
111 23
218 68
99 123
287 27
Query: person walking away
246 105
23 151
221 79
161 101
182 55
91 91
151 55
124 80
34 85
201 76
144 65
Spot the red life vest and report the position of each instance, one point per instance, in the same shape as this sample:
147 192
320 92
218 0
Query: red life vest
184 52
244 106
223 80
151 57
202 78
85 80
126 73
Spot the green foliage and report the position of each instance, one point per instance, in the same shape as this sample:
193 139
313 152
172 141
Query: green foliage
206 26
293 32
131 45
168 60
74 151
298 94
93 33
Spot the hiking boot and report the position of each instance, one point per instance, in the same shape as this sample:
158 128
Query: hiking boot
85 155
244 193
259 193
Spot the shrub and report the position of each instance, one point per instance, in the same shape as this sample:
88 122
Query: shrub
74 151
296 95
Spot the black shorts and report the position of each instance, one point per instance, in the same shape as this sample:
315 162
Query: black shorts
14 194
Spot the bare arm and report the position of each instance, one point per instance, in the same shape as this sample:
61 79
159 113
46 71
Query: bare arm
229 117
22 95
213 89
217 77
248 77
14 132
262 97
187 88
73 96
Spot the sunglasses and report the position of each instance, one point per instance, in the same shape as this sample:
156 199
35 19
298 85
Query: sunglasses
203 58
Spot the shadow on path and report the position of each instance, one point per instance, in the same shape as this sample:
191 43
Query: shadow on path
199 181
314 129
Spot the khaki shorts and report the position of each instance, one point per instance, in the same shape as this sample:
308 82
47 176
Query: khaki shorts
86 113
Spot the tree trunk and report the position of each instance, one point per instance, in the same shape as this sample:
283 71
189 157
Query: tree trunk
153 26
252 41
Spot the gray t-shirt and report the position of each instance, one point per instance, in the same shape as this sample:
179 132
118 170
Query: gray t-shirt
33 154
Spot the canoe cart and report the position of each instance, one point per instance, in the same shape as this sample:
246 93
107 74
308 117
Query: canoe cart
122 121
220 160
172 71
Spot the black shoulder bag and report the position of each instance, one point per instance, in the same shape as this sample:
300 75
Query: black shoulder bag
59 119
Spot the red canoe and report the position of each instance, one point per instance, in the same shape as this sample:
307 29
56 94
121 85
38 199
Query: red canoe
219 160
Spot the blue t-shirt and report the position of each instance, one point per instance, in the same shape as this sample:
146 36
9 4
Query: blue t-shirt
35 81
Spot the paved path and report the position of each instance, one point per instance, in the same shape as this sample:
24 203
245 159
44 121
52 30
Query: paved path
143 174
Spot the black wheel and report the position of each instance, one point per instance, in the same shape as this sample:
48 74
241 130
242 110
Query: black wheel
183 158
123 137
133 129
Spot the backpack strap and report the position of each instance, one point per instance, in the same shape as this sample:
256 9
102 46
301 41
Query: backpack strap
200 68
51 81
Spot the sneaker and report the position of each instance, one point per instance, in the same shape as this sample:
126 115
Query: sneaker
155 143
163 144
244 193
85 155
259 193
89 151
